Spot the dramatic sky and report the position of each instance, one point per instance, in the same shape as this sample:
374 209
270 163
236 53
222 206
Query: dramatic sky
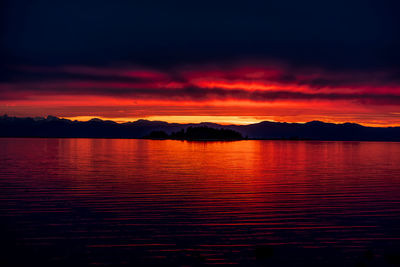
192 61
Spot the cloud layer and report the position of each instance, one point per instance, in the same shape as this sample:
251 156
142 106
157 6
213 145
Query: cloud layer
241 84
247 83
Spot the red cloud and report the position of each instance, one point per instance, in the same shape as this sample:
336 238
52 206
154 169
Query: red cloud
244 84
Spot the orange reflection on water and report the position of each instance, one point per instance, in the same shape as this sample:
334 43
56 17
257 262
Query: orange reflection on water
153 199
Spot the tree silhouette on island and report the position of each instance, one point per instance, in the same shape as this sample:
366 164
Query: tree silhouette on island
197 133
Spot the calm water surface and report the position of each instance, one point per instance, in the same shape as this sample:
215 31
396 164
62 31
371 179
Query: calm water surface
66 202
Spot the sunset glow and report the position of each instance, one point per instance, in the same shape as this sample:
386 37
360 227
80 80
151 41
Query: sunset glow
199 133
182 119
240 94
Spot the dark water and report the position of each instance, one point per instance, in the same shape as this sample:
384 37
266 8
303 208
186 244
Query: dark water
72 202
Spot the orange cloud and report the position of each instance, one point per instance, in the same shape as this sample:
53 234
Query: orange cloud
238 94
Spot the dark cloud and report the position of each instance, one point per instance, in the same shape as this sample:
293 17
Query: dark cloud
351 34
259 51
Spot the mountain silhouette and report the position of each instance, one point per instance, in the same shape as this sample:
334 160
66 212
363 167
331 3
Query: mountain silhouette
96 128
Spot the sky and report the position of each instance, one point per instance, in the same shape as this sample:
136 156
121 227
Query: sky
193 61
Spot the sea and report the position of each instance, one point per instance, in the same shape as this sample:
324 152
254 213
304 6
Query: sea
127 202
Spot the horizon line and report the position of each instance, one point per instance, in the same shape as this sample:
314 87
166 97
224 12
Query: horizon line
131 120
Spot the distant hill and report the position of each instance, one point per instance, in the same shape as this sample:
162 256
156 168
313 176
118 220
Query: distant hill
96 128
317 130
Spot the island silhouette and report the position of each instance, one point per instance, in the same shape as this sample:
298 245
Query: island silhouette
53 127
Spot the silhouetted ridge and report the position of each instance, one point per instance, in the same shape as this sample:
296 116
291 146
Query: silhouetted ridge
96 128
